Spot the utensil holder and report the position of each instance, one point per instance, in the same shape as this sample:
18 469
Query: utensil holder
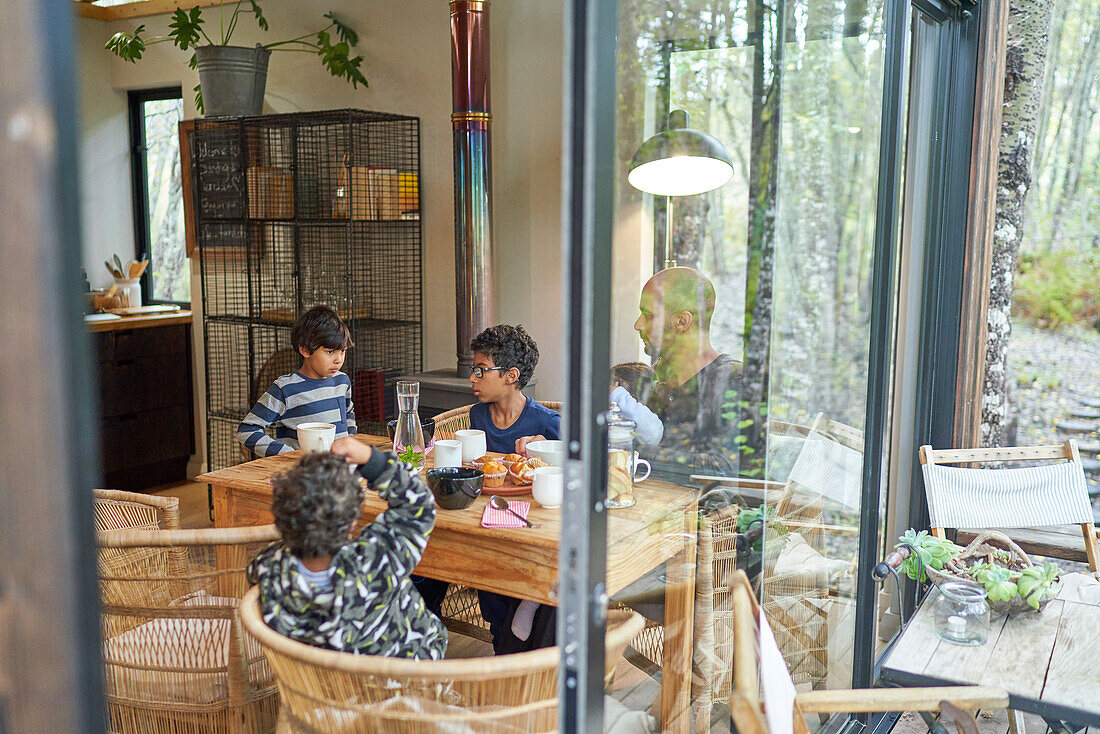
130 288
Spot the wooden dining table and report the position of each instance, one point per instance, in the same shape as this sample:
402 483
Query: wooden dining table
1047 661
523 562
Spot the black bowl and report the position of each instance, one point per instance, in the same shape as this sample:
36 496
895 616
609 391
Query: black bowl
455 487
427 425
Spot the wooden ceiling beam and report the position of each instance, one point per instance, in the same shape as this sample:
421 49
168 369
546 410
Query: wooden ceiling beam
138 9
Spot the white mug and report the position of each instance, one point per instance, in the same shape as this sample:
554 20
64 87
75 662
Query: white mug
548 486
448 452
473 443
639 462
316 436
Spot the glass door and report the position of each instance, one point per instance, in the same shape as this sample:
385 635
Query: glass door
744 318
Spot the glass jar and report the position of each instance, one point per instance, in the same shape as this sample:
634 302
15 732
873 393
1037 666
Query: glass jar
620 459
962 613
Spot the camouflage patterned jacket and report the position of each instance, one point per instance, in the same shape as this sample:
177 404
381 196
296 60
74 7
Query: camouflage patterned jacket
373 607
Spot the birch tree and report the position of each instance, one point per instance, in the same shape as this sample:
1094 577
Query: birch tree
1028 39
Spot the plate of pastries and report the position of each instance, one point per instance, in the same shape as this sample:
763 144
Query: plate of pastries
508 474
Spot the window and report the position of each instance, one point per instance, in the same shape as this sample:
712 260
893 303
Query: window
158 196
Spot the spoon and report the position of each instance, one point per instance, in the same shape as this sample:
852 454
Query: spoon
502 504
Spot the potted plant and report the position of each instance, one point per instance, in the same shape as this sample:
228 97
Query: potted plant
232 78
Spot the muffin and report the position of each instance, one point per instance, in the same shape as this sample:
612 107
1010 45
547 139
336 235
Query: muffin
521 472
481 461
495 472
536 463
509 459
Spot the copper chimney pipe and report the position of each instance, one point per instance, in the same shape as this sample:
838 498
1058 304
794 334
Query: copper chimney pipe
471 121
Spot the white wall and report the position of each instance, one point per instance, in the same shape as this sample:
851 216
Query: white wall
407 62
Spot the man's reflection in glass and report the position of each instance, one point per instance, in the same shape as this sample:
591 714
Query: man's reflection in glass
697 390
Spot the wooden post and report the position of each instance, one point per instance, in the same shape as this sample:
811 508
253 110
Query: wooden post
978 244
49 641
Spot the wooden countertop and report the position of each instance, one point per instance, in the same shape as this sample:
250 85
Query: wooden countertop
139 322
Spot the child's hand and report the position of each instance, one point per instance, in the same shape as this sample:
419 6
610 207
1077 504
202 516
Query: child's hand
354 451
521 443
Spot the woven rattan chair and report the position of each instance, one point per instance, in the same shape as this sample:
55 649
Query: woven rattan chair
175 658
328 691
117 510
1032 496
758 668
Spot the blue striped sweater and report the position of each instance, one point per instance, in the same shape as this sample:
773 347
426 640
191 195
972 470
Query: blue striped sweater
295 399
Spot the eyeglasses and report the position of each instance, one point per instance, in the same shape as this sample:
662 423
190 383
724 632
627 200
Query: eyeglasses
479 372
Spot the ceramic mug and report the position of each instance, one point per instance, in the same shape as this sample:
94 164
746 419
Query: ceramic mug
473 443
316 436
548 486
448 452
639 463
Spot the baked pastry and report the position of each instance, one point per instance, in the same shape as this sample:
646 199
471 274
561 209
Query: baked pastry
521 472
510 459
494 472
482 461
536 463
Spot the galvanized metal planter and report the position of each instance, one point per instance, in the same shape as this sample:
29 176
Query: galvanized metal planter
232 79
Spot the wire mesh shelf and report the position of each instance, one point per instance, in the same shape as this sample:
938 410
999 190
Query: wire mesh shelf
299 210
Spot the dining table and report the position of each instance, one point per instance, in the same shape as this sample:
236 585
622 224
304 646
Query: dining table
1046 660
660 528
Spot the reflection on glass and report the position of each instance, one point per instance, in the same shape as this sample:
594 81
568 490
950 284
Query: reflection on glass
755 321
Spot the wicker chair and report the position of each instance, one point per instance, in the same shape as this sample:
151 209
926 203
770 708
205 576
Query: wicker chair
116 510
460 610
325 691
175 658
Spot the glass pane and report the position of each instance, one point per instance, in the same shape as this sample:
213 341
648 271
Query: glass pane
170 268
748 384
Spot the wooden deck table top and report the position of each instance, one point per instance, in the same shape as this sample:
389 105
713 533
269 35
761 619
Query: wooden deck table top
523 562
1048 661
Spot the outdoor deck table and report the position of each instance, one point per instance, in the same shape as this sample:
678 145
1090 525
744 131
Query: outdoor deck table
524 562
1049 662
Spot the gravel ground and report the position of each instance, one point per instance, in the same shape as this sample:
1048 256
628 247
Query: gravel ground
1048 371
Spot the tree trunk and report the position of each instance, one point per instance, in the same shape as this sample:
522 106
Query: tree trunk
763 186
1028 37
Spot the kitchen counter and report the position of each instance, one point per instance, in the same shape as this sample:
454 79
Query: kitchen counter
140 322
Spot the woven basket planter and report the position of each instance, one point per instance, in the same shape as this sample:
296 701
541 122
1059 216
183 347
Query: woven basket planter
979 550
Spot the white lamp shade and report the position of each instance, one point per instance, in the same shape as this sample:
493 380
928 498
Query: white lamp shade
680 161
682 175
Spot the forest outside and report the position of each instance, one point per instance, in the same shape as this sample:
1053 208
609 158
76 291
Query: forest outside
1053 352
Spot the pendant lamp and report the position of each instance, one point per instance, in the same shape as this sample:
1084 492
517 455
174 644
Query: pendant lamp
680 161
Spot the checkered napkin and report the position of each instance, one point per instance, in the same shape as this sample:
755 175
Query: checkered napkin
494 518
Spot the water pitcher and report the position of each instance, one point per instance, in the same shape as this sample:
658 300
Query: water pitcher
409 435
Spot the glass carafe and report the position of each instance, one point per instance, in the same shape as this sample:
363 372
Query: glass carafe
620 459
408 438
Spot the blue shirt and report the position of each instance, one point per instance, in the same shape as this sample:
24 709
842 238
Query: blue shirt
535 420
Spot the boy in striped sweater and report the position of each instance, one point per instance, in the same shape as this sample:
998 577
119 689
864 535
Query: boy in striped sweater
317 392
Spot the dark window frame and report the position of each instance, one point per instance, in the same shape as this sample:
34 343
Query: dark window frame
139 179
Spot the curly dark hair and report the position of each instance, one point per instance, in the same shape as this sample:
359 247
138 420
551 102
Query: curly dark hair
508 347
315 504
320 327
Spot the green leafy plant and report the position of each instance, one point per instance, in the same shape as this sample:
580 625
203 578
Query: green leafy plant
746 519
332 44
932 552
411 456
1038 583
998 581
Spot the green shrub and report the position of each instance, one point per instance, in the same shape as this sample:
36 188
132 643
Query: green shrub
1058 289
